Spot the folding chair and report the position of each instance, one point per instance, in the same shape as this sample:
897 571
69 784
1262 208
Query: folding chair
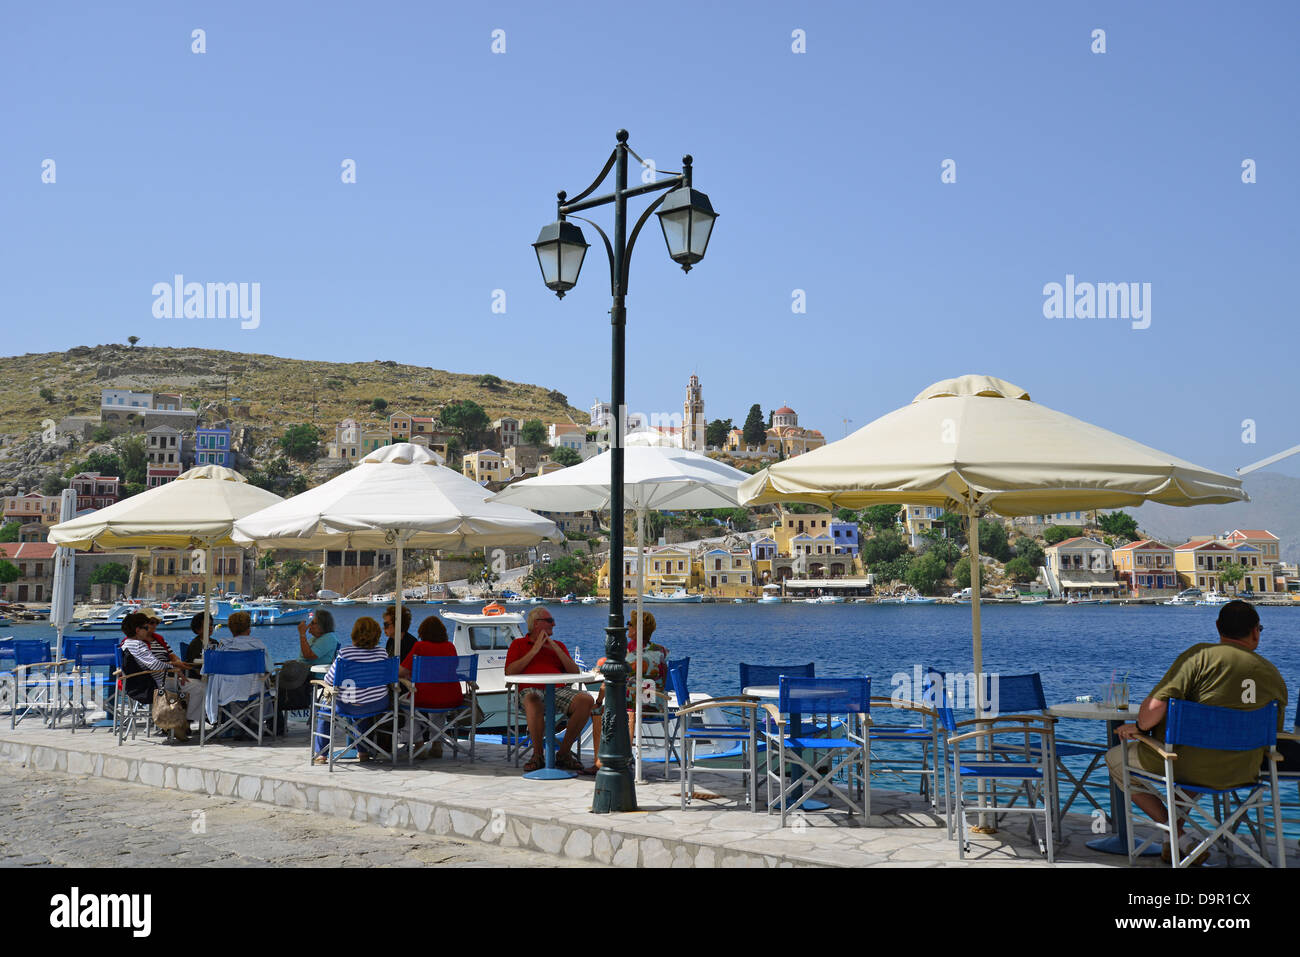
352 679
1220 729
660 713
693 727
845 704
35 681
1030 764
898 737
87 654
238 715
458 670
128 711
1288 777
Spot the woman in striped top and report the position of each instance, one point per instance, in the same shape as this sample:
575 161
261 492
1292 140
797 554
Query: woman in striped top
364 648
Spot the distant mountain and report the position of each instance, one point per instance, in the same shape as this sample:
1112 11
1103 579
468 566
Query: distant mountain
1274 504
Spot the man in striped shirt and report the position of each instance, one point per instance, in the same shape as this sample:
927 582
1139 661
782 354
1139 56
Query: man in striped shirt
364 648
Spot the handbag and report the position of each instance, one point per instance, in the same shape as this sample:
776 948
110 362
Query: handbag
169 711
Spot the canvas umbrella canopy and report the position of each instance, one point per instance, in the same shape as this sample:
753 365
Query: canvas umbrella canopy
396 497
977 443
654 478
196 510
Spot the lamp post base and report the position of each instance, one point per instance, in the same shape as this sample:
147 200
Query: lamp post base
615 791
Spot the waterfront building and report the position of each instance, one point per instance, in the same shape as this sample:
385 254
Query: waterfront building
1267 543
763 549
791 524
1081 567
96 491
1146 567
728 573
212 447
1257 575
919 519
35 563
32 507
483 466
345 570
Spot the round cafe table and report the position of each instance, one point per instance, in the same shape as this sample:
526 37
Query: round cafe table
1116 843
550 772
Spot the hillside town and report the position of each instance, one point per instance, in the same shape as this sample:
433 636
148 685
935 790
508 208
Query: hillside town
793 552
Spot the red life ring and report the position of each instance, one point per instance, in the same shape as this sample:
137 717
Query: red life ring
494 609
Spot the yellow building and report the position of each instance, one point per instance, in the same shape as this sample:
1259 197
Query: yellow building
484 466
791 525
667 568
1146 567
1198 563
728 573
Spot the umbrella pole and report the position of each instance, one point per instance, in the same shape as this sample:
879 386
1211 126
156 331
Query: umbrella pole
640 621
207 594
988 823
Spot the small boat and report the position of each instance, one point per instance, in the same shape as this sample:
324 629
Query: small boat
825 600
680 596
470 601
1032 601
344 601
589 600
737 601
1213 598
889 601
431 601
918 600
262 615
769 600
569 599
1083 601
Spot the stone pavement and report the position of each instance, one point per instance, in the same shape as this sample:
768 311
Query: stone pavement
488 801
53 820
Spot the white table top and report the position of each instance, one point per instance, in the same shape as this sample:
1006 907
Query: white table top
763 691
320 669
559 679
1092 711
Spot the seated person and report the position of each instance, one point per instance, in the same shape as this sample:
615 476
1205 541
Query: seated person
538 653
441 694
1213 674
408 639
318 645
144 651
364 647
654 672
227 689
194 652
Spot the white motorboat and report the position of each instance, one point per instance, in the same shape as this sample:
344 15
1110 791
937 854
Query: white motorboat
680 596
1213 598
769 600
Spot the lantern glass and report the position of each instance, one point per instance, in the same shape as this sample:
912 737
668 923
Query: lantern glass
687 218
560 249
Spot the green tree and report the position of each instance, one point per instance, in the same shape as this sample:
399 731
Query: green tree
846 515
955 525
132 340
893 571
467 418
132 488
8 571
936 544
1231 574
301 442
880 516
715 433
110 573
105 463
9 531
961 575
755 433
101 434
532 432
1059 533
565 456
1121 524
993 539
1030 551
1020 570
925 573
298 484
489 381
52 484
378 405
47 394
886 546
133 452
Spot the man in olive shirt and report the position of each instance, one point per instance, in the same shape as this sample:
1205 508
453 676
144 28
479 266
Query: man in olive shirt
1229 674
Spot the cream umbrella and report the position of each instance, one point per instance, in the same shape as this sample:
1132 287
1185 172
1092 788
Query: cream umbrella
196 510
977 443
654 478
398 496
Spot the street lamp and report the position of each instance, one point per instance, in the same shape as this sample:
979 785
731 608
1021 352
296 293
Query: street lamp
686 217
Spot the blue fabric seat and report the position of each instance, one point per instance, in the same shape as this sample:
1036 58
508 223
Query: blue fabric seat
837 762
730 719
356 722
428 669
1195 725
33 680
247 715
82 686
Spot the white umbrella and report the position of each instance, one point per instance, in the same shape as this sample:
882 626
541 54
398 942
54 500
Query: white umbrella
61 605
978 443
196 510
655 478
398 496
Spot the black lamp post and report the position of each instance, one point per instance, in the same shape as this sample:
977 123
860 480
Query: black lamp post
687 219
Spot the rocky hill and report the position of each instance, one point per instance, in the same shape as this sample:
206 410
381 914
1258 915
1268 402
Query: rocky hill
261 393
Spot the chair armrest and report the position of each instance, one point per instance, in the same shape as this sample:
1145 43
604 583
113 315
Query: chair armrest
472 685
1020 728
1021 718
773 713
906 706
715 703
1288 735
1154 746
406 683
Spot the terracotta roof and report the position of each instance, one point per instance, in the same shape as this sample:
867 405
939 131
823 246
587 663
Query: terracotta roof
1254 533
9 549
1208 543
1068 541
784 410
35 550
1144 543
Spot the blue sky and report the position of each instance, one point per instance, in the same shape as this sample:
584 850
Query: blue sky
1123 166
